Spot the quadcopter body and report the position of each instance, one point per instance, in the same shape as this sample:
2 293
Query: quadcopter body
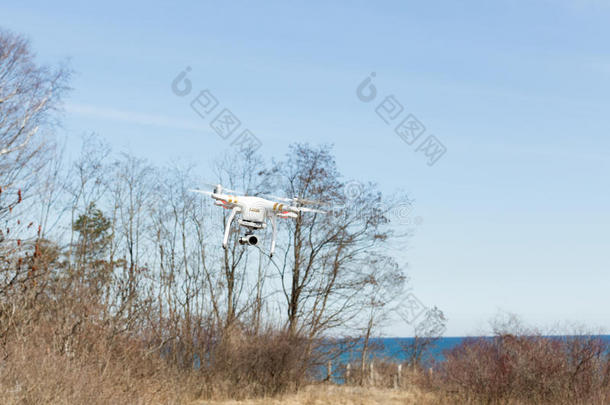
254 212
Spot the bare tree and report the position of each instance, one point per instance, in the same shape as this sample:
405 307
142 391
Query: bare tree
383 284
321 267
132 188
29 95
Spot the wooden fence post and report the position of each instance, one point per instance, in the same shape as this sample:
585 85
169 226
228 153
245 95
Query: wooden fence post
329 371
398 375
348 369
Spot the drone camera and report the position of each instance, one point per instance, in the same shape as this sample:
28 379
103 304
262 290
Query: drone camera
251 240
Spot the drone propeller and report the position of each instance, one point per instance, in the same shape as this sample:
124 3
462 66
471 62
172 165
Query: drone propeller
201 191
297 200
307 209
312 202
224 189
274 197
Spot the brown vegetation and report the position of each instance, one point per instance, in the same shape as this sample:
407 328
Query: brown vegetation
342 395
528 368
517 365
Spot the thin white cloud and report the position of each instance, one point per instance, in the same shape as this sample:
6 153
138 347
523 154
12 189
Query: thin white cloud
132 117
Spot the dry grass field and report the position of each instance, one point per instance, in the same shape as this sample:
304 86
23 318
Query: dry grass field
340 395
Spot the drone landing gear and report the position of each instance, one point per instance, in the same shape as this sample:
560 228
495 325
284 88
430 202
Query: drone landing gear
274 226
225 240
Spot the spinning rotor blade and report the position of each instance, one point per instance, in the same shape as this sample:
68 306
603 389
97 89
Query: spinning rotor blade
307 209
295 200
274 197
200 191
310 202
224 189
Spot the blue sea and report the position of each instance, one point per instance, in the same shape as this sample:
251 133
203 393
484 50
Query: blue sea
391 347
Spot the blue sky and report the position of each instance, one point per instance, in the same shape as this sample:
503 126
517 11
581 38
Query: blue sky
515 214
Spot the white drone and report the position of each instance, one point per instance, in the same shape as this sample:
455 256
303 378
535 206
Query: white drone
255 211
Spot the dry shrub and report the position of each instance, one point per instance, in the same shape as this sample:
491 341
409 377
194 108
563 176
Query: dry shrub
528 369
61 343
84 360
245 364
42 365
